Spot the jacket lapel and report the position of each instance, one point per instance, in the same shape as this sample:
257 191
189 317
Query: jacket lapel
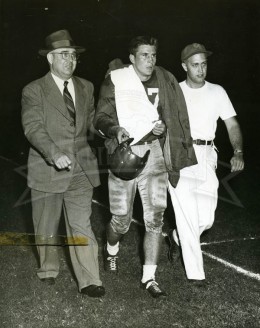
80 98
79 93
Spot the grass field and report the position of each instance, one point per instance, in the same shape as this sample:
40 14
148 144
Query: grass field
231 248
231 257
231 298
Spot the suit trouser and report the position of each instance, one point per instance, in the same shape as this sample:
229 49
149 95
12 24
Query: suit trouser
76 202
194 201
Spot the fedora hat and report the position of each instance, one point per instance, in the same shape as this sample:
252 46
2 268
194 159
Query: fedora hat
193 49
59 39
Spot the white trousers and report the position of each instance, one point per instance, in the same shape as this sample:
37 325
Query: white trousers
194 201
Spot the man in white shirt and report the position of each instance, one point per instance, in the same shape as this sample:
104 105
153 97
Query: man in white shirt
195 197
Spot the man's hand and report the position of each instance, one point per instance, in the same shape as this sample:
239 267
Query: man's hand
237 162
62 162
159 128
122 135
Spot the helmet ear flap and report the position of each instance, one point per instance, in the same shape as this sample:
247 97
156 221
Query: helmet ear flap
126 142
145 157
124 164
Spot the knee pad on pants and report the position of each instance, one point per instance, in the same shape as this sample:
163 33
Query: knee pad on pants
154 222
120 224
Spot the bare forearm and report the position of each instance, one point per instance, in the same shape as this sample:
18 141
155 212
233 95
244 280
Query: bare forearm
235 137
236 140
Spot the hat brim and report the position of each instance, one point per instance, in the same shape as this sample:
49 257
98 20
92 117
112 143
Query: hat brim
208 53
79 50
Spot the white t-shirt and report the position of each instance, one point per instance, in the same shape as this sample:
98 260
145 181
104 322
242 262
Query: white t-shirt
205 105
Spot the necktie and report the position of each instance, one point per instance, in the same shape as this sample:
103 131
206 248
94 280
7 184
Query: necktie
69 101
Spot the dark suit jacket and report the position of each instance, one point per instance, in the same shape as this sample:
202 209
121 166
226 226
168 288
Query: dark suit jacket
178 148
50 131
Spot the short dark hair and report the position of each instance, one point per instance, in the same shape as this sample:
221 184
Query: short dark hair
142 40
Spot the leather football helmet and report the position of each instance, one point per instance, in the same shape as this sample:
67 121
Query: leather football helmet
124 164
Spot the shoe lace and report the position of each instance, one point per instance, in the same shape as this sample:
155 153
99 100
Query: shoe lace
155 287
112 262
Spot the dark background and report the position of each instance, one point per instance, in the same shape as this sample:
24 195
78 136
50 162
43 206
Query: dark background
229 28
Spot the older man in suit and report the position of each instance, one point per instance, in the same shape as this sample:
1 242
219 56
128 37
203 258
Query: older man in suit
57 111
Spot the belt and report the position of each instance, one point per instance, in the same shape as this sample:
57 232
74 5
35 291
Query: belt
139 143
200 142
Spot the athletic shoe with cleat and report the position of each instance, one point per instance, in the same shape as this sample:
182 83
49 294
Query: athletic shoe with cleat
110 262
174 252
153 289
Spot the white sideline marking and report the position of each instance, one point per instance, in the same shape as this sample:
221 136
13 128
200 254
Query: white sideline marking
227 264
230 240
202 244
100 204
235 267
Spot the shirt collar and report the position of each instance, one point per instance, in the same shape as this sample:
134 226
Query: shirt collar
60 84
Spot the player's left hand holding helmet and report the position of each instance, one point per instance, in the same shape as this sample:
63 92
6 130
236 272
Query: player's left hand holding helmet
124 164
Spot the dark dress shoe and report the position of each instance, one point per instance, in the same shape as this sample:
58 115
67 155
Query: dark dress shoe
153 289
93 291
174 252
48 281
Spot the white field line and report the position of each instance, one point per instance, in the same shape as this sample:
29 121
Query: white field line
235 267
100 204
227 264
202 244
229 241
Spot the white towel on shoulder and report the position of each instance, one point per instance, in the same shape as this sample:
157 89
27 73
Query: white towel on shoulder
134 110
